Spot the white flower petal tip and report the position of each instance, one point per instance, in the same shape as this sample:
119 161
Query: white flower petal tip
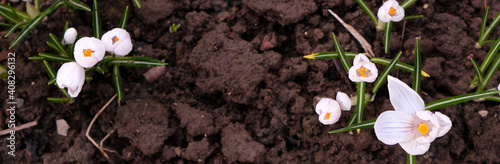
88 51
70 35
363 70
344 101
72 76
328 111
117 41
391 11
498 88
409 125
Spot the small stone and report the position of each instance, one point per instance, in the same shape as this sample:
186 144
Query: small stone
483 113
268 42
426 6
178 151
318 33
62 127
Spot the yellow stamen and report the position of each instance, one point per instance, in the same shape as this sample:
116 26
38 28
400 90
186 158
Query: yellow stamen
392 11
362 71
423 129
115 39
87 52
327 116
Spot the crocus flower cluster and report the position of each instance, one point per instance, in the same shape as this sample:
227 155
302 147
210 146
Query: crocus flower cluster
391 11
363 70
410 125
329 110
88 51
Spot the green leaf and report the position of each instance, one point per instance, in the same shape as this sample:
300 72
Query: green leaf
490 73
58 45
6 25
487 60
411 159
37 5
412 17
78 5
14 28
383 76
3 72
492 98
368 11
364 125
173 28
329 55
490 28
31 10
59 100
387 36
343 59
459 99
51 57
417 78
96 21
137 3
360 106
483 23
117 80
66 26
399 65
479 74
6 12
33 23
354 118
407 3
124 20
53 81
137 62
50 71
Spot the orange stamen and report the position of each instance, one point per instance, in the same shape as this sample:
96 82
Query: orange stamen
115 39
423 129
392 11
362 71
327 116
87 52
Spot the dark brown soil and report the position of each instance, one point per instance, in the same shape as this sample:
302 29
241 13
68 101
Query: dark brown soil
238 90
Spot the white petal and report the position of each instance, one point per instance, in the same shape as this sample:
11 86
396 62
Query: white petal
327 105
414 147
429 137
344 101
108 41
122 36
89 43
444 124
428 116
124 48
360 58
401 14
371 76
334 117
70 35
353 74
373 69
393 127
403 98
72 76
498 88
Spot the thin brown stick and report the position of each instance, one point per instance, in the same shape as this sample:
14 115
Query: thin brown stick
104 139
17 128
92 123
366 46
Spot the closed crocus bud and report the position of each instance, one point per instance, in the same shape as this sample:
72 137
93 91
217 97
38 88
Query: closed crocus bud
70 35
88 51
117 41
72 76
344 101
391 11
328 110
363 70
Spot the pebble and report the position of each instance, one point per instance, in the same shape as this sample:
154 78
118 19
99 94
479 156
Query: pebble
62 127
483 113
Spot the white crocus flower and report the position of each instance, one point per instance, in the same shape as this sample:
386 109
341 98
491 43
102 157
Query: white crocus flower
391 11
410 125
363 70
88 51
72 76
70 35
117 41
344 101
328 110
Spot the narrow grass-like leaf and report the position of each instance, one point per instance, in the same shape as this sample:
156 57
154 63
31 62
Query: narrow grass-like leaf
387 36
417 78
137 62
52 57
407 3
31 10
59 100
489 74
33 23
354 118
412 17
368 11
6 12
492 98
459 99
360 101
117 80
490 29
124 20
383 76
329 55
60 48
66 26
364 125
53 81
50 71
37 5
3 72
14 28
96 20
137 3
78 5
479 74
487 60
6 25
343 59
399 65
411 159
483 23
19 14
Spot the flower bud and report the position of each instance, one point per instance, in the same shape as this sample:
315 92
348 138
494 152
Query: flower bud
88 51
72 76
344 101
70 35
117 41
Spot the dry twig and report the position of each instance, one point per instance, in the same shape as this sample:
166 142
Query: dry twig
17 128
366 46
92 123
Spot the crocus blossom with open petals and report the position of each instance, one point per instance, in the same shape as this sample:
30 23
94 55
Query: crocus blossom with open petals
344 101
410 125
72 76
363 70
70 35
88 51
328 110
391 11
117 41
